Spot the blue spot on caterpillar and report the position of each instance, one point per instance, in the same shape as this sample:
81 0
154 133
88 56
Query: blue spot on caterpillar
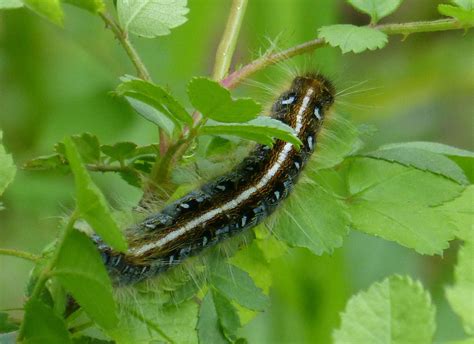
231 203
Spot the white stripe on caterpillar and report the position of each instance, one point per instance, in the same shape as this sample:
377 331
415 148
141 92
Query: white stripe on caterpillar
246 194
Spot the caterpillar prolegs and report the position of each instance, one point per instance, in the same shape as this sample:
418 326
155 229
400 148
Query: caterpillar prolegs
233 202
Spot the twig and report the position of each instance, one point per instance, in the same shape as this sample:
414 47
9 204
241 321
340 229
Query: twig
390 29
19 254
226 48
122 37
224 54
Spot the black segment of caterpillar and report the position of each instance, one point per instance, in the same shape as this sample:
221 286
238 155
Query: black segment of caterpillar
231 203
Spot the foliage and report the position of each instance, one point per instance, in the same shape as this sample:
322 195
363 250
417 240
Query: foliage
417 194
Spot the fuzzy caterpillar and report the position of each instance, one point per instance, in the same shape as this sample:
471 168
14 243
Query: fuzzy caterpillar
233 202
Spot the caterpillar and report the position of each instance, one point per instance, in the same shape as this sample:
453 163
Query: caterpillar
232 203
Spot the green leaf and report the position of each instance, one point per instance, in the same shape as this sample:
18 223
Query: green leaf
433 147
465 16
91 202
93 6
215 102
47 162
50 9
396 310
151 18
153 115
423 160
353 38
88 146
208 326
311 218
42 325
461 212
7 168
80 270
461 294
466 4
6 325
396 203
119 151
237 285
228 317
464 158
376 9
166 107
262 130
8 4
338 139
145 319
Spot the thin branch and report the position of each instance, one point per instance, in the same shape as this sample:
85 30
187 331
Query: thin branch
390 29
224 54
122 37
421 26
19 254
226 48
108 168
46 272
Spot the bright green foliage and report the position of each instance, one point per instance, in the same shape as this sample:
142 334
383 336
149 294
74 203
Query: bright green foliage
463 158
7 168
262 130
145 95
377 9
146 317
50 9
461 212
236 285
396 311
80 270
151 18
255 258
466 4
209 328
423 160
215 102
42 325
88 147
300 224
91 202
461 294
396 203
6 4
434 147
5 324
353 38
228 318
338 139
464 15
93 6
119 151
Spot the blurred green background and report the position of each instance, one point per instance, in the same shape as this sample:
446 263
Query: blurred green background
55 82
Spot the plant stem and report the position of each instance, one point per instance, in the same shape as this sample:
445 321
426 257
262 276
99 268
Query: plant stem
142 71
107 168
46 273
226 48
420 26
390 29
19 254
122 37
224 54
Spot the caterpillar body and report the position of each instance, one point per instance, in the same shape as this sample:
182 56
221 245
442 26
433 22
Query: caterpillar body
233 202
